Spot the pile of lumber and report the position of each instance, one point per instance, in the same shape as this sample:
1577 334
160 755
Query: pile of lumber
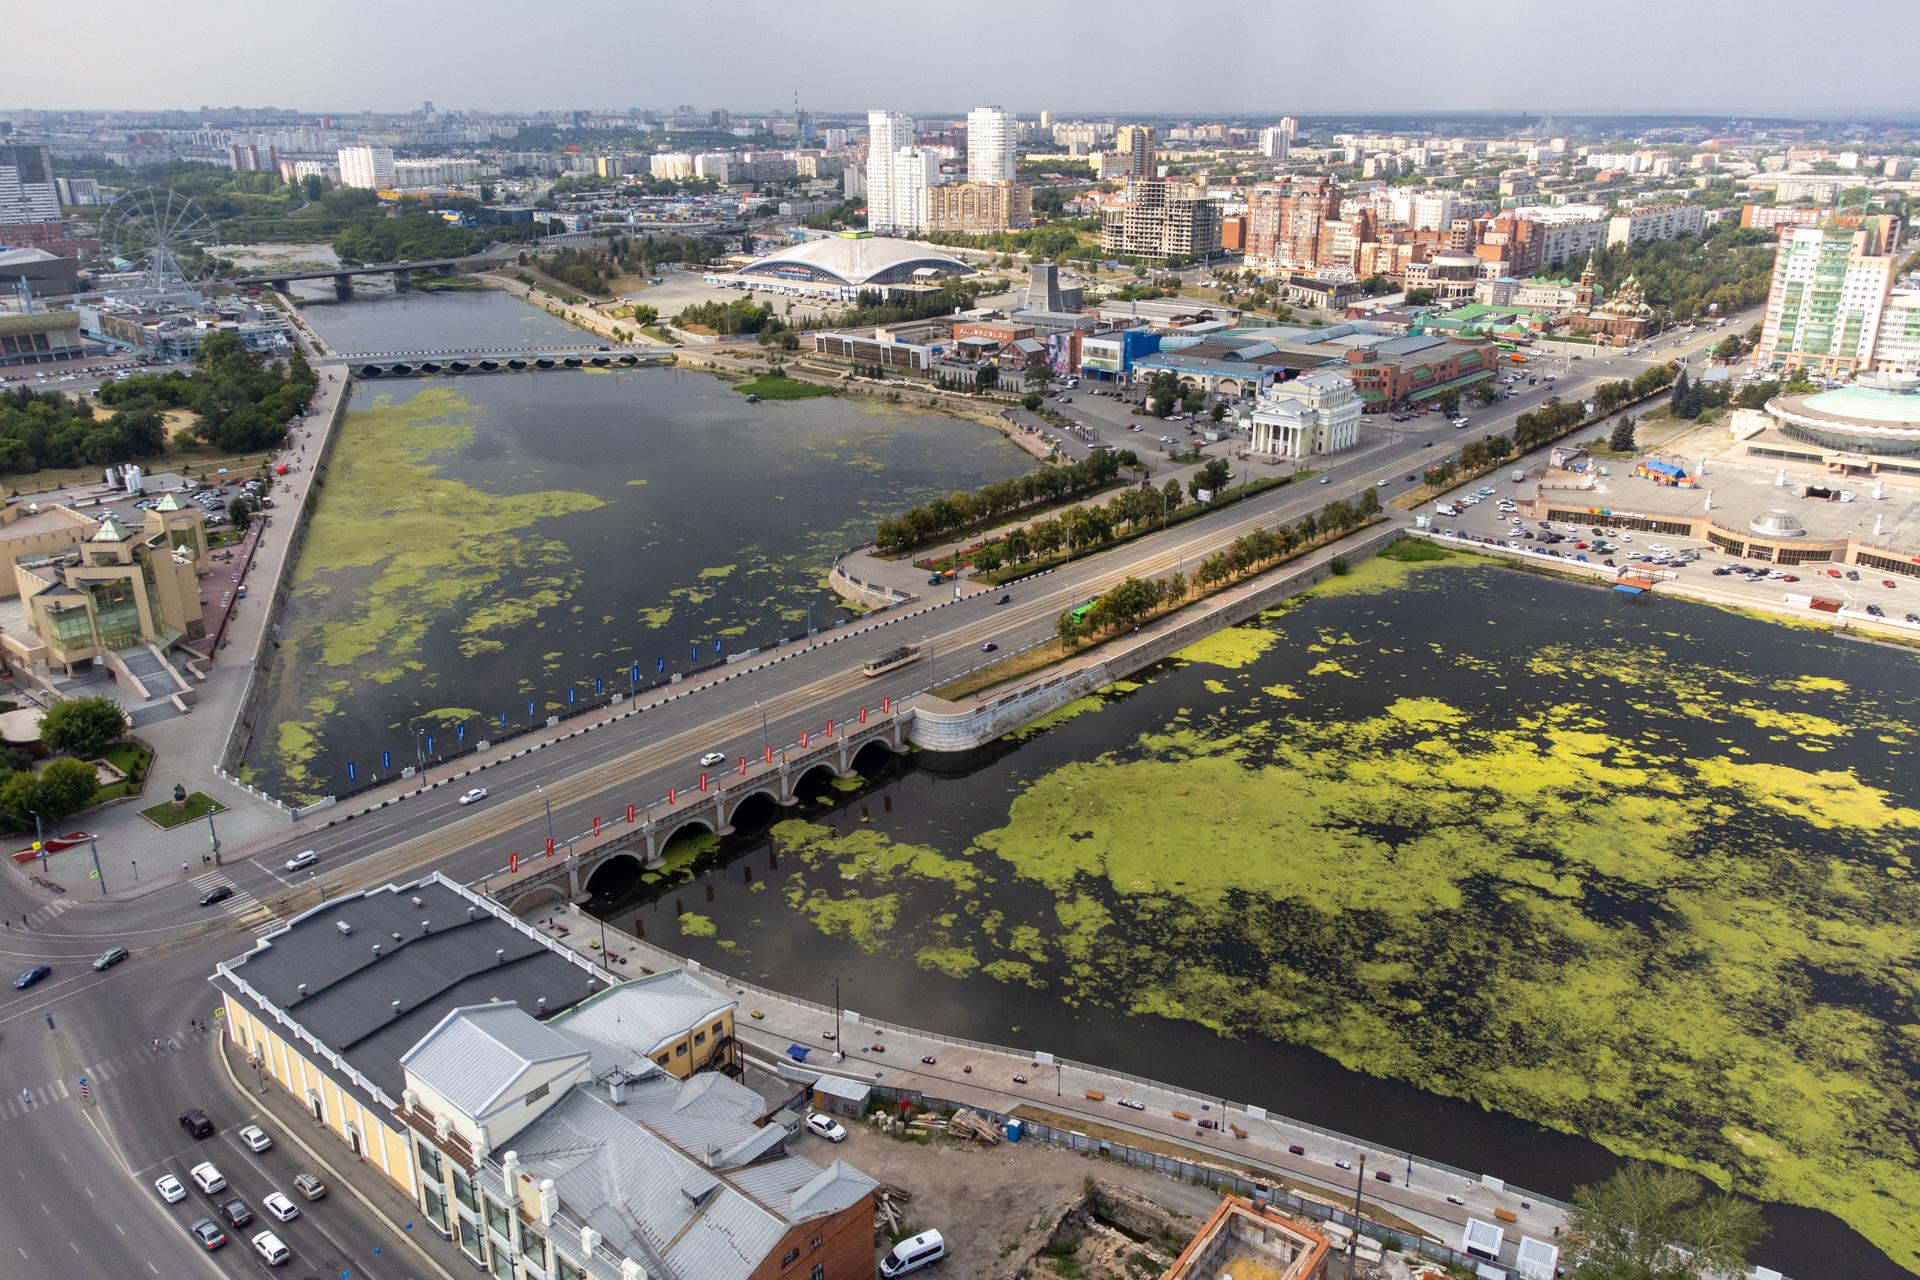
969 1125
889 1209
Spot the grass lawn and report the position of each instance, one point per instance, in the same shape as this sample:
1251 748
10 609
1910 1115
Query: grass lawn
659 335
199 805
129 759
781 388
1413 549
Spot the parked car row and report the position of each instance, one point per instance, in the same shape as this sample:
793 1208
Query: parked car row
230 1210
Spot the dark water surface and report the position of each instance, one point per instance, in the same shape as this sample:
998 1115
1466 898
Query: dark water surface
1414 863
434 321
488 542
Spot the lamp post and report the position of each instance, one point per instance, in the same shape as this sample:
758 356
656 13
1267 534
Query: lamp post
549 805
213 834
839 1050
40 841
766 739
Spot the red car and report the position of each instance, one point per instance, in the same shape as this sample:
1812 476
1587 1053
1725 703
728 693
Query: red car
1790 577
1888 583
1833 573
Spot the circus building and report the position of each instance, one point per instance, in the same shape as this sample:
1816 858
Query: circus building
842 266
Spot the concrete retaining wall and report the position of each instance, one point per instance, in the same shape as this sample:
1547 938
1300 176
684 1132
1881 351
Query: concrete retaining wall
935 730
240 736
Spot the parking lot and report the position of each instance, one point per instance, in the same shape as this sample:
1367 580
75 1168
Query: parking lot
1486 514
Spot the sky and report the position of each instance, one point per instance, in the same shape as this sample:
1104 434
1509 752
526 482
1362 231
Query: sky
1171 57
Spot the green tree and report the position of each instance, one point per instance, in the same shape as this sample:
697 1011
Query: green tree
1419 297
1622 439
1172 495
20 800
1031 401
989 557
240 511
65 787
1684 403
82 726
1039 375
1211 478
1450 404
1648 1223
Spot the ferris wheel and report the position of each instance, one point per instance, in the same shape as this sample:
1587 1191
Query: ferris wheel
163 234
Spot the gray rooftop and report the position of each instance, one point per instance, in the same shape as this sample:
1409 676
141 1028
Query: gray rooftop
683 1173
477 1054
642 1015
434 958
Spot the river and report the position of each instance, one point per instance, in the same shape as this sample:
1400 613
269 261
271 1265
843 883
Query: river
492 546
1501 869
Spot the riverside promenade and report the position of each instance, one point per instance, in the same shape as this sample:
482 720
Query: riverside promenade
1035 1085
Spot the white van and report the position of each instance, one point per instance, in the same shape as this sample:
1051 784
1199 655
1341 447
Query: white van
923 1250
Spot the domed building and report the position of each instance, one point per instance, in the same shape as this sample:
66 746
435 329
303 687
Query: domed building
1623 319
843 265
1877 418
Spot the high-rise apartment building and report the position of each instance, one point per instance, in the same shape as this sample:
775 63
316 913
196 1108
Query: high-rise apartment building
1829 295
993 137
914 173
1290 127
1162 220
370 168
1275 144
27 193
252 157
1655 222
888 132
1285 221
1135 141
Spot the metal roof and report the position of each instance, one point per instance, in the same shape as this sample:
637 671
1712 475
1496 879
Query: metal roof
643 1174
478 1053
647 1013
434 957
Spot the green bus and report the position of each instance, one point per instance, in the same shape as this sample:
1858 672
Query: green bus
1079 615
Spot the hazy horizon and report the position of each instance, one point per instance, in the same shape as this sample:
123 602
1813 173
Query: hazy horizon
1645 57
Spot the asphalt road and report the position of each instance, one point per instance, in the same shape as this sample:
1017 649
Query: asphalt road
83 1204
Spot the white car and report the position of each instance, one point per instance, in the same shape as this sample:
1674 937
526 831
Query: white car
301 861
170 1189
826 1126
474 796
280 1207
712 758
207 1178
256 1139
272 1250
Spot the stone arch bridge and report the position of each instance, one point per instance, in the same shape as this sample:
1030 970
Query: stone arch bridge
536 880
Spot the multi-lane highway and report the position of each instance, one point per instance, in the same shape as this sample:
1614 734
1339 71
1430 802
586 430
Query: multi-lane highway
85 1204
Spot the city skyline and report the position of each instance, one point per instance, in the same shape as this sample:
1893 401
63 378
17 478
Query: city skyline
1645 58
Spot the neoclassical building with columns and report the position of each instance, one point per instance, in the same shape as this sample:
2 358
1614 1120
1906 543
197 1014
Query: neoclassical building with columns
1317 412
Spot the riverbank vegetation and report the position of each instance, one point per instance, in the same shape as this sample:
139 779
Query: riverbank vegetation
956 513
774 384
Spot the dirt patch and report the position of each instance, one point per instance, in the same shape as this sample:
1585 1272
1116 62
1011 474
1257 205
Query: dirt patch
995 1203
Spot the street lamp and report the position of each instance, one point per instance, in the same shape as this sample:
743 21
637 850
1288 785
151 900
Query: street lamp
839 1050
766 739
541 791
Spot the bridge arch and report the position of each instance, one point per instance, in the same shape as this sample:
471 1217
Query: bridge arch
625 862
684 826
820 773
757 805
873 756
537 897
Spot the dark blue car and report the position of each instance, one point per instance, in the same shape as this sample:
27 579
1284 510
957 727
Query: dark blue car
32 976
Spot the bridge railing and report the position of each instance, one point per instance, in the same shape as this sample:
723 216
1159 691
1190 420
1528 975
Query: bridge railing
619 832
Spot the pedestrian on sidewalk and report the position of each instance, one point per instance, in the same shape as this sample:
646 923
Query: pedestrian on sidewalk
183 866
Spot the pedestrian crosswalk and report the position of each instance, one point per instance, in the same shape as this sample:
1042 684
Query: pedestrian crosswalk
54 1092
242 906
35 918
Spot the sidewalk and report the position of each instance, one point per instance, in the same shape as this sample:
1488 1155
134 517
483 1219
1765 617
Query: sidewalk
1001 1079
188 748
415 1242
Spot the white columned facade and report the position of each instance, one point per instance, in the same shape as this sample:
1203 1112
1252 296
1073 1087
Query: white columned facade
1317 412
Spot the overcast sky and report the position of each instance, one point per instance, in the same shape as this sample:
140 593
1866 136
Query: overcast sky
1179 57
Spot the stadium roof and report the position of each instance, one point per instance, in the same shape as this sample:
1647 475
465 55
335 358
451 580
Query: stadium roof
865 260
